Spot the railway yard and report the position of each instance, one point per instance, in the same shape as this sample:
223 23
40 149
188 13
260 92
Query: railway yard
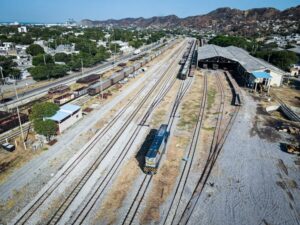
174 144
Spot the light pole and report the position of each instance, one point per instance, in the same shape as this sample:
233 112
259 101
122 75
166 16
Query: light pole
20 122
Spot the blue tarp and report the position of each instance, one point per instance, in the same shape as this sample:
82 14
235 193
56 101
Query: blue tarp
259 74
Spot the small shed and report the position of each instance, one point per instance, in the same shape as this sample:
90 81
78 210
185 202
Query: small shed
66 116
260 77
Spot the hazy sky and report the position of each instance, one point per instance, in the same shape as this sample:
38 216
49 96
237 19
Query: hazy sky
61 10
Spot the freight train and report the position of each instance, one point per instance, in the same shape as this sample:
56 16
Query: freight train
95 86
11 120
187 61
156 149
115 78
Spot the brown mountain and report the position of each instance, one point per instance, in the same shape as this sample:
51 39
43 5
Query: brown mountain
221 20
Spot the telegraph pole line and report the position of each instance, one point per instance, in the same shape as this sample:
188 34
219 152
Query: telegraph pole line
20 122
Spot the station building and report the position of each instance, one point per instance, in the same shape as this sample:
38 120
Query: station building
247 69
66 116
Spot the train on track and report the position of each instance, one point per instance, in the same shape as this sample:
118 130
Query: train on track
11 120
156 149
94 86
187 61
100 86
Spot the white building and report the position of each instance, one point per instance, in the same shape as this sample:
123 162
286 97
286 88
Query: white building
66 116
7 48
68 49
213 56
22 29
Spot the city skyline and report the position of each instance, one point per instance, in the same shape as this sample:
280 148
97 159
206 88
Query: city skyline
39 11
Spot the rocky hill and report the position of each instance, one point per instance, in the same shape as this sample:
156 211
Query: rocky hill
226 20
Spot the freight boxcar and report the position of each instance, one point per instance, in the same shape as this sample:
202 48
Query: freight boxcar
137 66
115 78
64 99
60 89
79 92
88 79
98 87
128 71
12 121
157 147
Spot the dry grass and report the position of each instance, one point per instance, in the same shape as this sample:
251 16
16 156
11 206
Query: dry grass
113 201
9 207
165 179
191 104
10 161
288 95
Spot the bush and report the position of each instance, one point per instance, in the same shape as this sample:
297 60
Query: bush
34 50
39 60
49 71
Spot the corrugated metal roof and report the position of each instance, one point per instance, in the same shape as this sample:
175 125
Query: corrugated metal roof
236 54
259 74
64 112
59 116
70 108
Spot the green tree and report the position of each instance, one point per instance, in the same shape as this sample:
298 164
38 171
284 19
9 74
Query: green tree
62 57
282 59
114 47
48 128
43 72
34 50
39 60
237 41
39 114
8 65
44 109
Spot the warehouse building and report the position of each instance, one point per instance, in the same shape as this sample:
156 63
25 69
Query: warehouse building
66 116
245 67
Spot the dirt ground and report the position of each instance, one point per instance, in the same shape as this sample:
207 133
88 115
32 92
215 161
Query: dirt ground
113 201
164 181
289 95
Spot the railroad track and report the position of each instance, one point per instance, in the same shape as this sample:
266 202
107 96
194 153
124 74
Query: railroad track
88 206
11 134
146 181
176 198
286 110
41 199
217 144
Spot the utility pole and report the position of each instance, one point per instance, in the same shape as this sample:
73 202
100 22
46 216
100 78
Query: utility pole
115 48
20 122
81 67
44 59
